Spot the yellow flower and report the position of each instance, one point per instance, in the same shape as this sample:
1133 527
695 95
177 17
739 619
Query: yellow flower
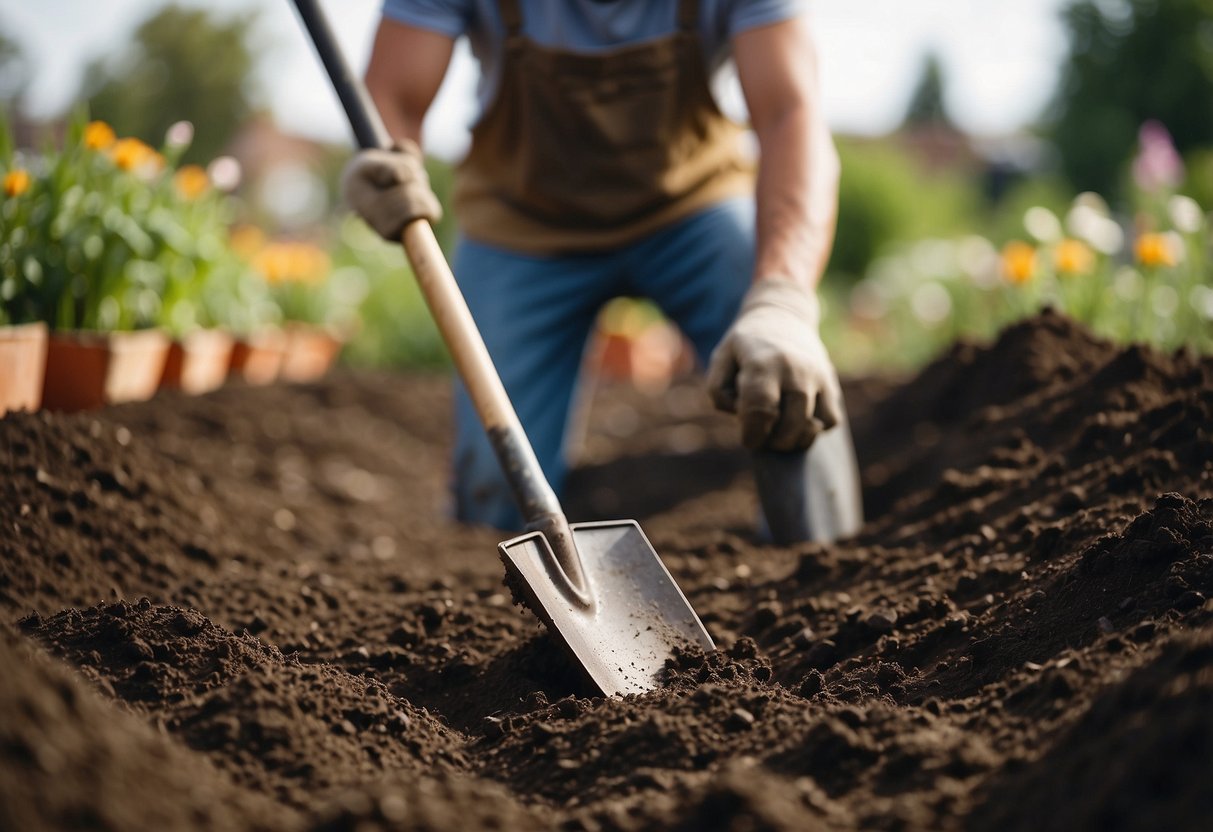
191 181
16 182
130 154
246 240
1073 257
98 135
1018 261
292 263
309 263
272 262
1154 249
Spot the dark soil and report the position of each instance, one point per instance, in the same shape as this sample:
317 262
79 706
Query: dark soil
248 610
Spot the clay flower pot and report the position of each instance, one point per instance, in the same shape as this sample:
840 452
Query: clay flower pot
86 370
22 366
198 361
649 359
257 358
612 355
311 351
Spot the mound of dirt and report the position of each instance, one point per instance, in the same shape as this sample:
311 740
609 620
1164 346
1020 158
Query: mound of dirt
266 718
261 586
69 759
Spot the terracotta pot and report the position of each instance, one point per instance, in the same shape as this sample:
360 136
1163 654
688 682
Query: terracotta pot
257 358
85 370
198 361
613 355
311 351
649 359
658 354
22 366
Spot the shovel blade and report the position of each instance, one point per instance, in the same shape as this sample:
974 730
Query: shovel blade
637 616
814 495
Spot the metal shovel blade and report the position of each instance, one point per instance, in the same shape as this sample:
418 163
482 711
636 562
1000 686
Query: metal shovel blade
637 616
814 495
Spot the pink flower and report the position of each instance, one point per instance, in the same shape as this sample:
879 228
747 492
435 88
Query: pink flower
1157 164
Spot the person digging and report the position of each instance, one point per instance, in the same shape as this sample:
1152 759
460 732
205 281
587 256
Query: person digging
601 166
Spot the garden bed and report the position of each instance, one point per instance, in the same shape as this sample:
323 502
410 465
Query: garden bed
262 618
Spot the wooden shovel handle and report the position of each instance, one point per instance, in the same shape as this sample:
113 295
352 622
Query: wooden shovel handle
455 322
535 496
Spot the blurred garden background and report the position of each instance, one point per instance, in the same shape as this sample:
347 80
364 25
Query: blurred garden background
176 166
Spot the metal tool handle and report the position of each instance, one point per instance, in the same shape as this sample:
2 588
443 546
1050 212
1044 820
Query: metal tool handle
355 100
535 496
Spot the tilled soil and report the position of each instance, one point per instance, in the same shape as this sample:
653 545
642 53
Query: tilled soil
248 610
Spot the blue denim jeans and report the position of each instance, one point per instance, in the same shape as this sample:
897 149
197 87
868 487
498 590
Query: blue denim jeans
537 312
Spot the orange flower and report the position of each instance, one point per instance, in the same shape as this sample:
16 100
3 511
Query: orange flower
1018 262
311 265
292 263
98 135
191 181
1154 249
246 240
130 154
1073 257
273 263
16 182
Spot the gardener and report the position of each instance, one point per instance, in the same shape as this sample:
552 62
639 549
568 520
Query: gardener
601 166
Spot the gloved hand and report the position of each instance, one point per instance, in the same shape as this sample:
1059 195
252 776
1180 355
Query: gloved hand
390 188
773 371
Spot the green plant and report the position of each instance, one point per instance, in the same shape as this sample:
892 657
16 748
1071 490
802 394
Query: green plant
1130 62
396 328
885 199
106 235
1153 283
1006 218
1199 186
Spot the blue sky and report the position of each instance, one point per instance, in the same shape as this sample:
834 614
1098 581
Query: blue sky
1001 58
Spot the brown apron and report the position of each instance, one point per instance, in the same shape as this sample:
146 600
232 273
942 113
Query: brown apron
585 152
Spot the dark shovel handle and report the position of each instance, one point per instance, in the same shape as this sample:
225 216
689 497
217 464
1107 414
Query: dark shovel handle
534 495
355 100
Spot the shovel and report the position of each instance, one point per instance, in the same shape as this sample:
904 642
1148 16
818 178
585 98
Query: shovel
811 495
600 587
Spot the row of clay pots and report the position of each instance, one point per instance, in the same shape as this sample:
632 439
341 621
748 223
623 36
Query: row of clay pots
83 370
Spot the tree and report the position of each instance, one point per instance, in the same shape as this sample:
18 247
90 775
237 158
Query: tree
885 198
927 104
14 71
182 64
1131 61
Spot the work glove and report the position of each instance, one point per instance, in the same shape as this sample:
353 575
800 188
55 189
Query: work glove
390 188
772 370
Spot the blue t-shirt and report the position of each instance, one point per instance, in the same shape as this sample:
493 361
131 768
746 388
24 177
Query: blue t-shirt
585 25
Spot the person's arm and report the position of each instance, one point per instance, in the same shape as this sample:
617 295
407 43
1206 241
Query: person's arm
798 167
388 187
771 368
406 69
